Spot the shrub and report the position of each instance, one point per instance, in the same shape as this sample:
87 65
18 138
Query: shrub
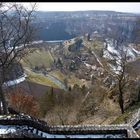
22 102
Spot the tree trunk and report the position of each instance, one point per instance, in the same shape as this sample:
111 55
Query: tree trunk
121 101
0 107
138 96
4 105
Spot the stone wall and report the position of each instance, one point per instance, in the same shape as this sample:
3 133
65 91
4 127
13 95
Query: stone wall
40 127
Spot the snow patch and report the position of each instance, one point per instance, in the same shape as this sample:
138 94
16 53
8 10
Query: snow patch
87 65
138 52
14 82
5 129
112 49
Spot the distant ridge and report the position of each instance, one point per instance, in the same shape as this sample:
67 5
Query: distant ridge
91 11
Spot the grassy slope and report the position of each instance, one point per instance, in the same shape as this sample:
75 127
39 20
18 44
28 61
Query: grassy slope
39 78
71 77
133 67
74 80
38 58
128 113
58 74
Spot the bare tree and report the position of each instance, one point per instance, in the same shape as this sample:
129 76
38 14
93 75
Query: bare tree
16 32
117 63
122 79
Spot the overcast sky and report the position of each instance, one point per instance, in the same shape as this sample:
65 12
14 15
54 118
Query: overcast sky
132 7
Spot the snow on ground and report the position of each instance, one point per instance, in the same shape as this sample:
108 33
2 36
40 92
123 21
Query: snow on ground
112 49
14 82
87 65
83 136
55 41
93 67
106 54
5 129
116 69
138 52
138 126
111 53
131 52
